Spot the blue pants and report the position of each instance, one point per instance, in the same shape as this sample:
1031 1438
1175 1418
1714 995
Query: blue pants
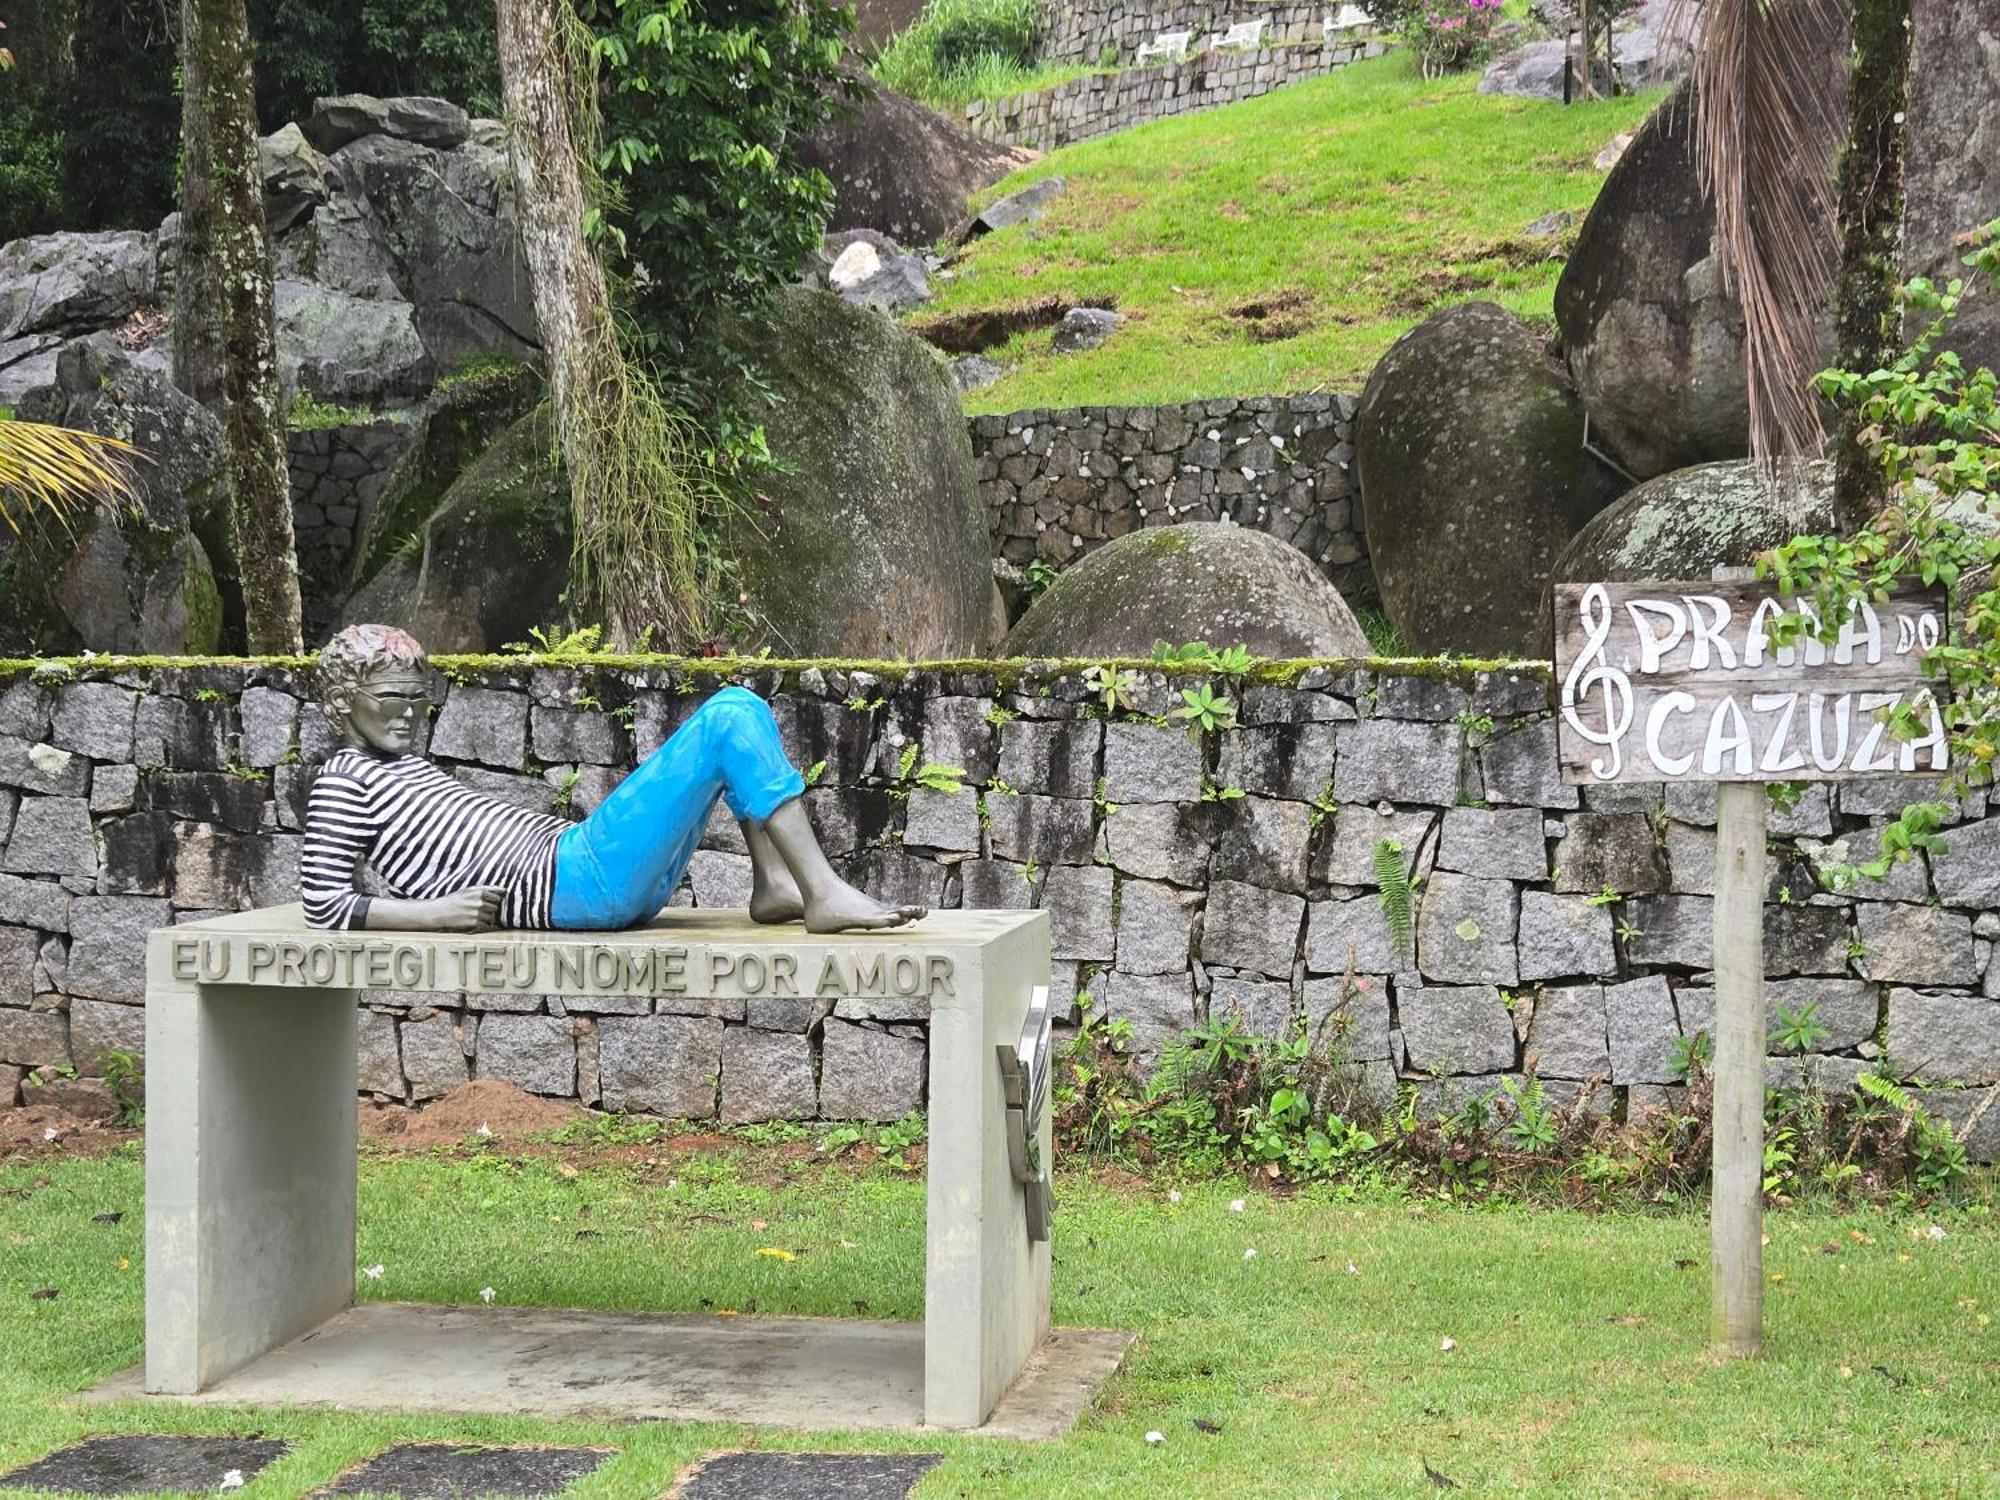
621 864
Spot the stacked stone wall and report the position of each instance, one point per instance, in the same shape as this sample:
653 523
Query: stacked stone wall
337 475
1104 102
1229 874
1059 484
1096 31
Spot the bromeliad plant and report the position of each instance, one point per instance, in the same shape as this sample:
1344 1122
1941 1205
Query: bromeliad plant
1934 428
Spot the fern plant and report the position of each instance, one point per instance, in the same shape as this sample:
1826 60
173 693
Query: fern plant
1397 902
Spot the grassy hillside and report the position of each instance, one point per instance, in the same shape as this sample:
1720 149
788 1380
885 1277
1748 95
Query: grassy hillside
1282 244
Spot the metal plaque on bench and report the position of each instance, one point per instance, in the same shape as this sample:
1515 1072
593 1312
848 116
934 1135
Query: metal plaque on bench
1024 1074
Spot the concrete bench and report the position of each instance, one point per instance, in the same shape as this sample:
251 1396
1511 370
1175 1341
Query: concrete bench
1350 19
1168 46
250 1162
1244 34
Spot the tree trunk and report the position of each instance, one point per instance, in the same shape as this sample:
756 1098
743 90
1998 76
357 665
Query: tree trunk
1871 211
225 325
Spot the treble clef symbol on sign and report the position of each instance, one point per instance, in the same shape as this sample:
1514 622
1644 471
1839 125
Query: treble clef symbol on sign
1590 671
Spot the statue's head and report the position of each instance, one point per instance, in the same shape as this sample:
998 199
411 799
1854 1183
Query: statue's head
375 688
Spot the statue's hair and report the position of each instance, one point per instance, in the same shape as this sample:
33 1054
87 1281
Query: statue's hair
355 654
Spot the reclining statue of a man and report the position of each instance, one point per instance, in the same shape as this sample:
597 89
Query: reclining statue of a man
457 861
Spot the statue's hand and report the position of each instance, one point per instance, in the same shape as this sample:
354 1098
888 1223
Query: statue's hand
472 910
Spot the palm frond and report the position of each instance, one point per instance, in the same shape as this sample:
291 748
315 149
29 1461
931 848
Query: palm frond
61 468
1766 130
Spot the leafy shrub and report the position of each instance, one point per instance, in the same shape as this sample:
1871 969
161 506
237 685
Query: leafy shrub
961 50
1449 36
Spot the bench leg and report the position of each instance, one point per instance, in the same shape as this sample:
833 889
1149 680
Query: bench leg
986 1285
250 1174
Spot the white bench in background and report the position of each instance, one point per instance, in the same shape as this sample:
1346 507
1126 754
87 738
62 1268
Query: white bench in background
1168 46
1247 35
1350 18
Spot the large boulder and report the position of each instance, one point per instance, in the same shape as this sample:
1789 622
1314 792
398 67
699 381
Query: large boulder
491 559
1686 524
900 168
73 283
1951 169
872 541
1469 448
1650 46
1199 581
1654 343
346 349
131 578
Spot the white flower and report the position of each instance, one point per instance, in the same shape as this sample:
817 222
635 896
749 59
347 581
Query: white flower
1156 1437
486 1294
1236 1205
373 1273
50 1134
484 1129
1935 1232
1173 1195
1250 1252
1353 1269
233 1480
1445 1346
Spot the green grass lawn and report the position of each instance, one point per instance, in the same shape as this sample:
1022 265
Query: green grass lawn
1578 1365
1282 244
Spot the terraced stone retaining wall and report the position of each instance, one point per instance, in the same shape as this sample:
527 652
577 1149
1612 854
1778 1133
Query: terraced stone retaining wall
1090 31
1059 484
1230 874
1104 102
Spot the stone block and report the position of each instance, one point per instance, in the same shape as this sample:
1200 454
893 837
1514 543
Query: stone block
20 947
95 719
234 802
33 1038
1945 1038
1674 931
34 903
899 879
185 735
98 1028
1520 768
1158 1006
114 789
719 879
381 1059
1805 939
867 1074
942 820
1968 872
1609 851
1568 1036
1078 899
52 836
1154 922
1887 796
1456 1029
1641 1026
26 708
1346 851
487 725
270 719
1847 1008
1916 945
1907 879
1294 761
1056 756
434 1058
579 736
1466 930
958 732
1356 932
1147 763
1412 696
1352 1022
1973 1114
1047 830
1260 1008
107 953
1161 840
43 769
995 885
1564 936
849 818
660 1065
1263 841
1249 927
537 1053
1495 843
1396 761
766 1075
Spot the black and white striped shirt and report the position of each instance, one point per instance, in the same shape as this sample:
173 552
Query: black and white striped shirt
425 835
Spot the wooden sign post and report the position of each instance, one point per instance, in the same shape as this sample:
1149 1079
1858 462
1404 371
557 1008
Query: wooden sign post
1683 682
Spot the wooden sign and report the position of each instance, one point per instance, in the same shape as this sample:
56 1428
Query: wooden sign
1683 682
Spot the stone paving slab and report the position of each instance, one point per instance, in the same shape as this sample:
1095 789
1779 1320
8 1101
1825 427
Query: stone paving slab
808 1476
147 1463
447 1471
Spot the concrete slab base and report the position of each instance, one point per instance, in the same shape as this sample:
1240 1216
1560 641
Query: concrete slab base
622 1366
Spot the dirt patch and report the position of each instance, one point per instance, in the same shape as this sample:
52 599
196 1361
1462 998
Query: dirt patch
1481 267
25 1133
1270 320
508 1114
976 332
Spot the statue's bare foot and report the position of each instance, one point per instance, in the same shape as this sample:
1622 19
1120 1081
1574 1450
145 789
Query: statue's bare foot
773 907
844 909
